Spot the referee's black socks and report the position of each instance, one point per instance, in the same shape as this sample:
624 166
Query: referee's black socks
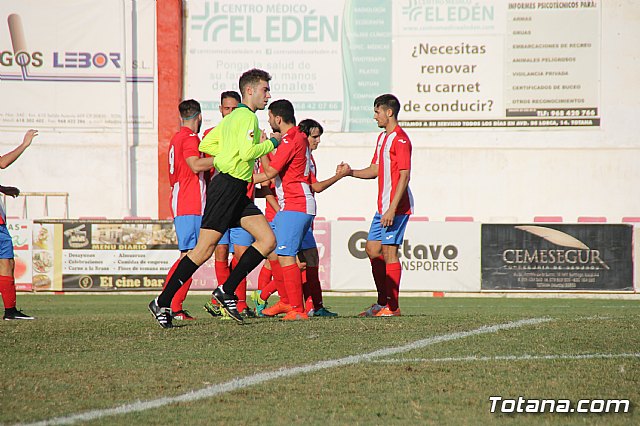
249 260
186 268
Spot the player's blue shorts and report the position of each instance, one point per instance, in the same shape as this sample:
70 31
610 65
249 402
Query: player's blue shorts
392 235
291 227
225 238
309 241
187 230
240 237
6 243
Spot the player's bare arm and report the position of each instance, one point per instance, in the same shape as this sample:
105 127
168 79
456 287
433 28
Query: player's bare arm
264 161
342 171
268 174
370 172
403 183
197 164
273 202
8 159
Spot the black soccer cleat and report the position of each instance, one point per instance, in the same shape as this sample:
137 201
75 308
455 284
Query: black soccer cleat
162 315
14 314
248 313
228 302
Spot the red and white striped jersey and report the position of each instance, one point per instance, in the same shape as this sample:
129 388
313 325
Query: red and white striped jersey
393 153
313 173
269 212
3 214
293 160
187 188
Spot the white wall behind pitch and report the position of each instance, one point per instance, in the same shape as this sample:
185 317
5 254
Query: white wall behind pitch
499 174
486 173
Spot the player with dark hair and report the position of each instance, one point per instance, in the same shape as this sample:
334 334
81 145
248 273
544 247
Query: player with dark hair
391 164
309 253
235 143
7 262
290 167
229 101
186 176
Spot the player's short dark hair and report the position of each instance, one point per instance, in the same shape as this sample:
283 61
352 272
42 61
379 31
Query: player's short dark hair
309 124
253 77
284 109
230 94
388 101
189 109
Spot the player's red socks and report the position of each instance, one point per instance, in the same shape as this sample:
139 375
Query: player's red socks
278 278
241 290
181 294
306 293
313 280
394 272
8 291
293 284
268 290
265 277
222 271
241 294
379 270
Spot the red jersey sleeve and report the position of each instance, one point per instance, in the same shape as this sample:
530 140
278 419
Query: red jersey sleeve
190 147
283 155
402 146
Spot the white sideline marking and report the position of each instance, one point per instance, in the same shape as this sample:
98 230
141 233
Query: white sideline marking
255 379
509 358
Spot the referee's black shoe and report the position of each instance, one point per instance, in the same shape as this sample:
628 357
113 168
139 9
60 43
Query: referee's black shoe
228 302
162 315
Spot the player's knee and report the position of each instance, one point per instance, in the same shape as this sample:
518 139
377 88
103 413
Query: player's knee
372 250
6 267
222 252
200 254
268 242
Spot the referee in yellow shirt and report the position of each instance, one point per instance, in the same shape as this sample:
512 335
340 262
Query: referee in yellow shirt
235 144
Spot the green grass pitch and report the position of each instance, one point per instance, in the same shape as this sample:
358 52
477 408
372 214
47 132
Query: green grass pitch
97 352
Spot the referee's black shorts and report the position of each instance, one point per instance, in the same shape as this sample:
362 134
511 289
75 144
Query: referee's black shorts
227 203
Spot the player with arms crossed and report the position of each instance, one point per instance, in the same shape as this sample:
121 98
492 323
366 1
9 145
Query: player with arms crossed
235 143
7 263
391 164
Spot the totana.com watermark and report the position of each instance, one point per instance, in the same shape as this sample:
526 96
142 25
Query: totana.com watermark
522 405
